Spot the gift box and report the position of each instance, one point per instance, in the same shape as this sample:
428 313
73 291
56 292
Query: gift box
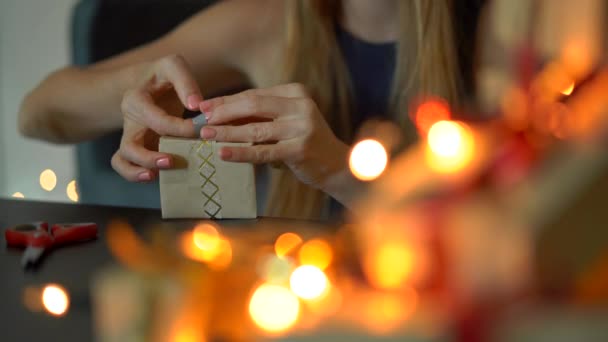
201 185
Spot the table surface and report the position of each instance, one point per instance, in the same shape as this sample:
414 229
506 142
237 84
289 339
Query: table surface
70 266
74 266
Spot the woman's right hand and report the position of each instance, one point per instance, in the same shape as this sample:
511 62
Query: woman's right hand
153 108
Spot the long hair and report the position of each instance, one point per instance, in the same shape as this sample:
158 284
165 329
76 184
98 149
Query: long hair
426 65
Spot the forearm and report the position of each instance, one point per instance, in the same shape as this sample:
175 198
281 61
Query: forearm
74 104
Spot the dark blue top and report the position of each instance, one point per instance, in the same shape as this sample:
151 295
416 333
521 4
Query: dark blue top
371 67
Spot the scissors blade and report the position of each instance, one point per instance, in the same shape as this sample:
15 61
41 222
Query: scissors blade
31 255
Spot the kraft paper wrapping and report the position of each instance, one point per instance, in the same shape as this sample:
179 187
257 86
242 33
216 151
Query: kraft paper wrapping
202 185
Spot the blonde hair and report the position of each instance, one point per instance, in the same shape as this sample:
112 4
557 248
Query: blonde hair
426 65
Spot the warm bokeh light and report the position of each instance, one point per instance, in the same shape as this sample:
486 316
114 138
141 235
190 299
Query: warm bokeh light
429 113
32 298
274 308
48 180
308 282
72 192
317 253
286 243
385 312
568 90
186 334
17 195
206 237
55 300
368 159
390 266
450 146
205 244
276 270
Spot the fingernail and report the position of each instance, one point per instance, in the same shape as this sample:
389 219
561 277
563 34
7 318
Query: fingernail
208 133
193 101
205 105
144 176
163 163
225 153
199 122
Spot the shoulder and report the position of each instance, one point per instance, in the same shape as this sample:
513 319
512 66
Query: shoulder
241 31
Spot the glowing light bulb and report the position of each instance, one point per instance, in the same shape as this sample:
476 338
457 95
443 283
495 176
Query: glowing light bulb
431 112
55 300
206 237
18 195
316 253
286 243
205 244
368 160
72 192
308 282
391 266
274 308
48 180
450 146
568 90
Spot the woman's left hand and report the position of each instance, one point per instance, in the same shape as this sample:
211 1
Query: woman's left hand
296 132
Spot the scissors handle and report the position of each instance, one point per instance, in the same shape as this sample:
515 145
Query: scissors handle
31 234
64 233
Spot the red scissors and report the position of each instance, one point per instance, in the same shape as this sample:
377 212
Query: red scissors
37 238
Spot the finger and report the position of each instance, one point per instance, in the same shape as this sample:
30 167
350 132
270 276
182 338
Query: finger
253 132
177 71
292 90
257 154
129 171
156 118
271 107
139 155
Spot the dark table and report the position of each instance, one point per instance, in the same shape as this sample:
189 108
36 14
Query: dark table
70 266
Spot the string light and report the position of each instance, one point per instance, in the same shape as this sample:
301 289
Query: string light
450 146
568 90
431 112
286 243
316 253
390 266
55 299
368 160
48 180
274 308
72 192
17 195
308 282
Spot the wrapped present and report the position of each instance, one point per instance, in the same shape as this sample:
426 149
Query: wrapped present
201 185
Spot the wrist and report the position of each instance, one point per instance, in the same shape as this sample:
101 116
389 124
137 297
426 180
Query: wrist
339 183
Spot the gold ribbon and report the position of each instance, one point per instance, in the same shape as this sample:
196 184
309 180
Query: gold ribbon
209 188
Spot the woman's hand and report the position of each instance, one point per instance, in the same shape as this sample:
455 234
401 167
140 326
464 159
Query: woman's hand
152 108
294 132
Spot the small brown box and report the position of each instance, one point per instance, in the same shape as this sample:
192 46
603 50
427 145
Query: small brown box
202 185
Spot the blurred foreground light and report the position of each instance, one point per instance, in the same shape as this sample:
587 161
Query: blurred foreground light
205 244
48 180
286 243
451 146
274 308
206 237
368 160
55 299
17 195
72 192
568 90
431 112
276 270
316 253
308 282
390 266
